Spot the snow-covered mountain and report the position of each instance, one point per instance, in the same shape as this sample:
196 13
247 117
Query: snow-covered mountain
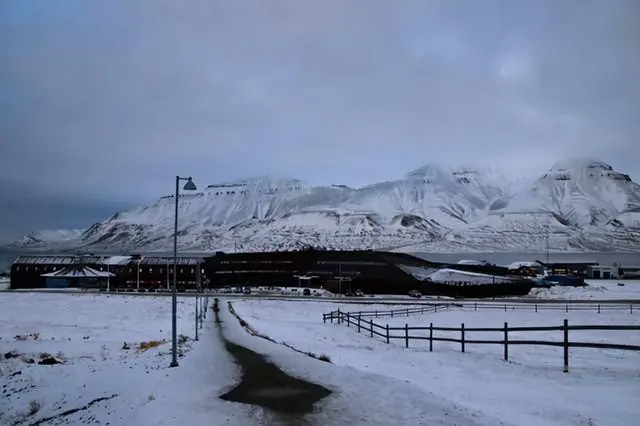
579 204
49 238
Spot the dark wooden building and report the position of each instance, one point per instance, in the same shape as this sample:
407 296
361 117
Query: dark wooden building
131 273
369 271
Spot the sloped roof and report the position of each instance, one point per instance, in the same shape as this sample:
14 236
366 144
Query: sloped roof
117 260
78 271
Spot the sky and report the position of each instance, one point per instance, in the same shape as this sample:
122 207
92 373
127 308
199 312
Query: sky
102 103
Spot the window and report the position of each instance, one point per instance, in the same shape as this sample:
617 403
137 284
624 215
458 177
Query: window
26 269
181 270
192 270
151 270
130 270
17 268
161 270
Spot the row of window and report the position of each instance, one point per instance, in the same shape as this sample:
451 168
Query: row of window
102 268
161 270
339 262
228 262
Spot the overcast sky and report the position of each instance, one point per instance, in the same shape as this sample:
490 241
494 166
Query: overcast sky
102 103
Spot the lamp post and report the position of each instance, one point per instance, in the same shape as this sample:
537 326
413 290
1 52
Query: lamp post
188 186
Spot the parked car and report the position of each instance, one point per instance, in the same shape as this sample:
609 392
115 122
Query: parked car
306 292
358 293
247 290
415 293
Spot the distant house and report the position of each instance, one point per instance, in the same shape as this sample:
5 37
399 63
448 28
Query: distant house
602 272
130 273
629 272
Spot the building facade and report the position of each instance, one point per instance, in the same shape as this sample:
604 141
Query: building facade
131 273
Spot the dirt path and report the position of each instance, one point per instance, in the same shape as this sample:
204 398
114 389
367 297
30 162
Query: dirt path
265 385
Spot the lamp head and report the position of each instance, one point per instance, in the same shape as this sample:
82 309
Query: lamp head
189 186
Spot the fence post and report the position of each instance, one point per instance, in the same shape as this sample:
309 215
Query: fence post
376 314
505 307
371 328
387 333
475 306
339 319
358 323
407 311
391 313
506 341
436 308
631 308
462 336
566 308
536 305
406 335
324 318
348 314
598 308
431 337
566 346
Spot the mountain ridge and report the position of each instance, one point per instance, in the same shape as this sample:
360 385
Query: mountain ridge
578 204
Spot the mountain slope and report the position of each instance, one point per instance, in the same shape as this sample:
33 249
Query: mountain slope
578 204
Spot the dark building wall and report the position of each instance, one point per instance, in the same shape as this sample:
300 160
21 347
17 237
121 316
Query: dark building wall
369 271
26 271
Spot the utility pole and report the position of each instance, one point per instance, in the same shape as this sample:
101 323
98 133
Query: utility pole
138 275
547 245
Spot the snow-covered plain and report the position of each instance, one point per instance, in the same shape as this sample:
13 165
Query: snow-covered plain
88 332
595 290
530 389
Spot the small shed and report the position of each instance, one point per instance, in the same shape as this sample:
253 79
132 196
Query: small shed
602 272
79 276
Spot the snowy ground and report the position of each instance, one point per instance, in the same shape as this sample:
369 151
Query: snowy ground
531 389
87 332
596 290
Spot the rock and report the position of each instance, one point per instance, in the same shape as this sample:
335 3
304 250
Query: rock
49 360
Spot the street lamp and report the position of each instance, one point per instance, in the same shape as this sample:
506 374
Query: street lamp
188 186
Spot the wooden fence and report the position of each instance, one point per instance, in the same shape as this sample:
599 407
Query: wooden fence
358 320
477 306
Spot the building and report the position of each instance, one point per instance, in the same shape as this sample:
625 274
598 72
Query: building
130 273
629 272
336 271
601 272
574 269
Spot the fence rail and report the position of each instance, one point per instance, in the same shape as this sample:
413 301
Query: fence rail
477 306
359 321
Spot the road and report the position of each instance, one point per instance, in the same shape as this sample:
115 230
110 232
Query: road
377 300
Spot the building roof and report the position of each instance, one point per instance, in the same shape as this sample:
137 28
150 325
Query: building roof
117 260
523 264
78 271
102 260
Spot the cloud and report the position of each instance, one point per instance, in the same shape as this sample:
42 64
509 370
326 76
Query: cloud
112 99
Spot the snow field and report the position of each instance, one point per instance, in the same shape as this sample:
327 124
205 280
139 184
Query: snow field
530 389
596 290
88 334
